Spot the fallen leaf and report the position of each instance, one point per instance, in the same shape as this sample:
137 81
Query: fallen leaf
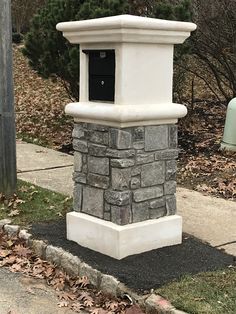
63 304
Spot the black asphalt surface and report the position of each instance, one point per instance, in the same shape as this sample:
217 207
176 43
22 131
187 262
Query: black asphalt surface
145 271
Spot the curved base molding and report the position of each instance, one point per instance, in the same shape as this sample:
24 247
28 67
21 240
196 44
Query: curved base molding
126 115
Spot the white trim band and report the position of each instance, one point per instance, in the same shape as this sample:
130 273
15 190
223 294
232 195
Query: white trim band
126 115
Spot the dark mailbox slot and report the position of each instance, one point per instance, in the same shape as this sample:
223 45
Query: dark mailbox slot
101 74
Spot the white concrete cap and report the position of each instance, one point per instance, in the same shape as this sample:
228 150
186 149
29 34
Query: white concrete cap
126 28
143 69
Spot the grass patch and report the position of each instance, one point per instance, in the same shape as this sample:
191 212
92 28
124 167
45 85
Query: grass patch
33 140
34 204
208 293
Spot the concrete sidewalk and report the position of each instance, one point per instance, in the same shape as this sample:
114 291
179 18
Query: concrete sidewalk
45 167
25 295
208 218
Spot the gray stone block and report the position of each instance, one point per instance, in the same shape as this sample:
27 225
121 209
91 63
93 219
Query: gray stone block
39 247
97 127
173 136
98 137
135 171
120 178
135 183
122 163
145 194
167 154
84 158
93 275
170 187
144 158
159 202
80 177
171 169
109 284
171 205
78 162
54 254
138 134
78 132
121 215
140 212
77 199
138 145
93 202
71 264
80 146
98 165
118 198
98 181
157 213
123 154
85 168
120 139
84 125
156 137
153 174
107 207
97 150
107 216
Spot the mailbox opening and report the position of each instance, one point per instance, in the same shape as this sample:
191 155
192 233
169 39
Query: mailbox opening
101 75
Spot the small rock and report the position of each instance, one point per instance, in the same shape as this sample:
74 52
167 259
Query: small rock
4 222
39 247
157 304
70 264
92 274
109 284
54 254
23 234
12 230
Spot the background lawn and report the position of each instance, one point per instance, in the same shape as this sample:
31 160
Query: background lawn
34 204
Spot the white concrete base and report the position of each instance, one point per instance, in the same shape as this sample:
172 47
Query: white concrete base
226 146
121 241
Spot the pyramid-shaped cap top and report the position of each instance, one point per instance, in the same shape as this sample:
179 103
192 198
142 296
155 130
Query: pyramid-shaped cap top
126 21
126 28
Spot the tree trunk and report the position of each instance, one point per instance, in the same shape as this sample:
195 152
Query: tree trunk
7 117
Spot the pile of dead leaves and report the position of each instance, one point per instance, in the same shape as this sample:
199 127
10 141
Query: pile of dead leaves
10 205
39 106
73 293
203 166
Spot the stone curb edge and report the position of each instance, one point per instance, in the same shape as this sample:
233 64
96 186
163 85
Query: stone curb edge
72 265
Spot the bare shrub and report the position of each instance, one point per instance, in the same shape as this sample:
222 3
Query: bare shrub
213 46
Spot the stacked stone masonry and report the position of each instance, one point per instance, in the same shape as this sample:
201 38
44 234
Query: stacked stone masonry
125 175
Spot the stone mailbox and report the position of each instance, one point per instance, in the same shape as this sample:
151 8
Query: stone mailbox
125 134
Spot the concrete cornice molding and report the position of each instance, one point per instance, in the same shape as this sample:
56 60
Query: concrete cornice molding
126 115
126 28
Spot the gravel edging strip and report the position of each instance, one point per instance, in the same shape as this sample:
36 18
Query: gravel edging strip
73 266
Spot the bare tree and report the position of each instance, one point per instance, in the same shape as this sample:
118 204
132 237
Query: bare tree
22 12
214 46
